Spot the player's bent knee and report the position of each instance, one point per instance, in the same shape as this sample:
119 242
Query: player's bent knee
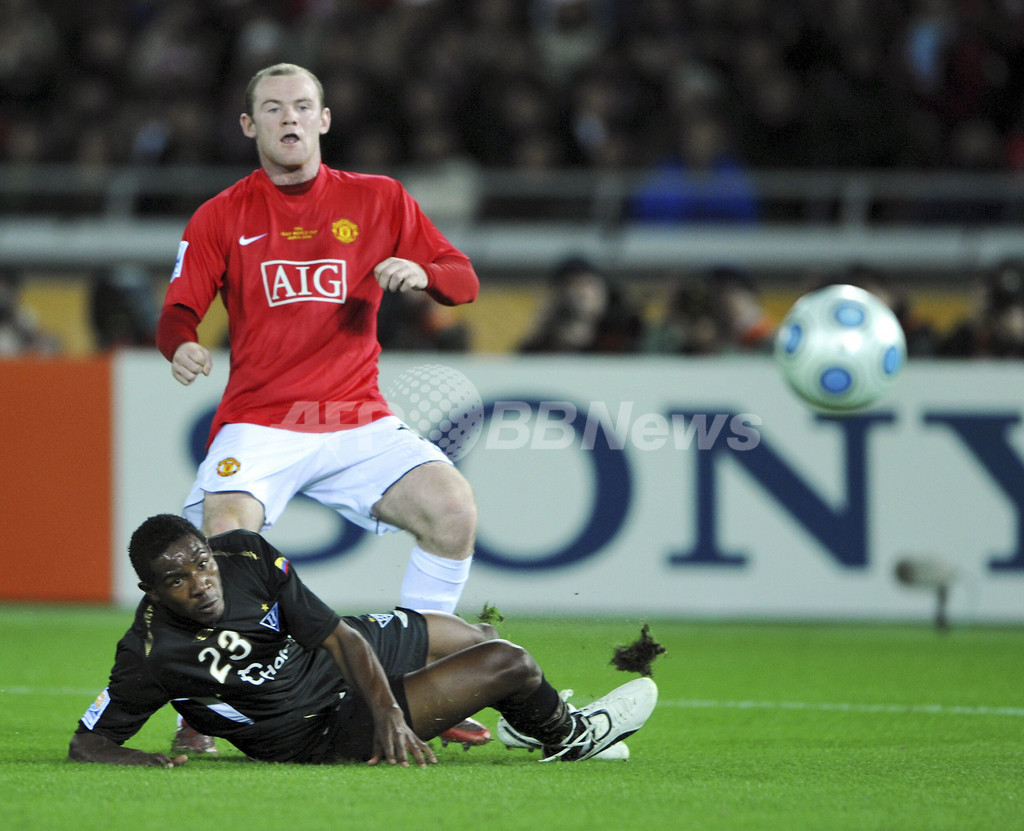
488 632
514 668
462 531
451 533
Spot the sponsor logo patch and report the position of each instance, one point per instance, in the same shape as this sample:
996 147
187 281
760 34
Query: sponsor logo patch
292 281
178 263
92 715
272 619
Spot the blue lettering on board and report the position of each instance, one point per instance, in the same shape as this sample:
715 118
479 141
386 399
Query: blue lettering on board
987 437
842 531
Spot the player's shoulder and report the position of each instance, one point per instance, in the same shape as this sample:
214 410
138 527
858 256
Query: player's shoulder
238 541
150 627
376 182
243 189
239 547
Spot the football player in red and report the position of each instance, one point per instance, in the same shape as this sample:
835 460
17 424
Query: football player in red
301 255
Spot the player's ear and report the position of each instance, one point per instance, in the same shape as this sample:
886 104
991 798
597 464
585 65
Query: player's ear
148 590
325 120
247 125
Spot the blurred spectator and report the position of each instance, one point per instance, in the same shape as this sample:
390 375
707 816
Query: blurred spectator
996 328
122 308
701 180
27 142
852 83
743 325
688 326
31 54
20 333
496 38
538 150
522 113
858 115
177 53
772 124
260 38
929 28
412 321
973 146
569 33
605 109
357 110
586 312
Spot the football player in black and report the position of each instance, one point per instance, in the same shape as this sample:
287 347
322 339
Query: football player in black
228 634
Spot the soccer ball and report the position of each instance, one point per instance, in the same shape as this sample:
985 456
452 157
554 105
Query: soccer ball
841 349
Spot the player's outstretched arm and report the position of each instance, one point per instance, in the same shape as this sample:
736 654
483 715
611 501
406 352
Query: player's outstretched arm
394 739
91 747
189 360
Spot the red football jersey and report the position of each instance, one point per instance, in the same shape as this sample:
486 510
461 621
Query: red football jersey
295 272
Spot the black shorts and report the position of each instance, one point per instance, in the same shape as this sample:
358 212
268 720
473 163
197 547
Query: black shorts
400 640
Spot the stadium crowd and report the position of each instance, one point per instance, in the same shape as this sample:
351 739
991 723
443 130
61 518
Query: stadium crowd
719 86
525 83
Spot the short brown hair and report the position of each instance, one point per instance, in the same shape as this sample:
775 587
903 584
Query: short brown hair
279 69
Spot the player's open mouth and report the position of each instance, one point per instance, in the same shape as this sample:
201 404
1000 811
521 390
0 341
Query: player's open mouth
209 607
291 138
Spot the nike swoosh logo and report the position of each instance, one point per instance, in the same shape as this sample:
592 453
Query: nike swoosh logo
247 240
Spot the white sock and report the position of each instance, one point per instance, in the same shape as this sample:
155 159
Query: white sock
433 582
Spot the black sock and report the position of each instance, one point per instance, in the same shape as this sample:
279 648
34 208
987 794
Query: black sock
542 715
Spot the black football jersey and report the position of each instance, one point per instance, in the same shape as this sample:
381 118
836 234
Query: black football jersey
256 678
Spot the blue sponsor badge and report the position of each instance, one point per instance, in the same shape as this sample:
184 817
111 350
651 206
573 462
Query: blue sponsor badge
92 715
272 619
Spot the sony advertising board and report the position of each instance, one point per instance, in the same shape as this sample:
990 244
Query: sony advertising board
653 487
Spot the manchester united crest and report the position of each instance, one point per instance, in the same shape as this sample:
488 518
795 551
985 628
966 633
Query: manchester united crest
228 466
345 230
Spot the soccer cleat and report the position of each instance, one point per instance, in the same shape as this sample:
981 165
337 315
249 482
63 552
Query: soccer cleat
511 738
192 742
468 733
602 723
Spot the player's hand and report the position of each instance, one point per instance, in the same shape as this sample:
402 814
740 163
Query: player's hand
395 742
189 360
395 274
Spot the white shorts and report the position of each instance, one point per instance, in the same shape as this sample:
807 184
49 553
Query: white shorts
347 470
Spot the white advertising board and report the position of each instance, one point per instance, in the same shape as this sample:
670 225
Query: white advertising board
660 487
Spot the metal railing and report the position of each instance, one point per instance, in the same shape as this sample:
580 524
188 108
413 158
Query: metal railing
63 215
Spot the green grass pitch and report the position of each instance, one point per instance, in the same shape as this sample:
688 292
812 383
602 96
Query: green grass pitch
759 726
